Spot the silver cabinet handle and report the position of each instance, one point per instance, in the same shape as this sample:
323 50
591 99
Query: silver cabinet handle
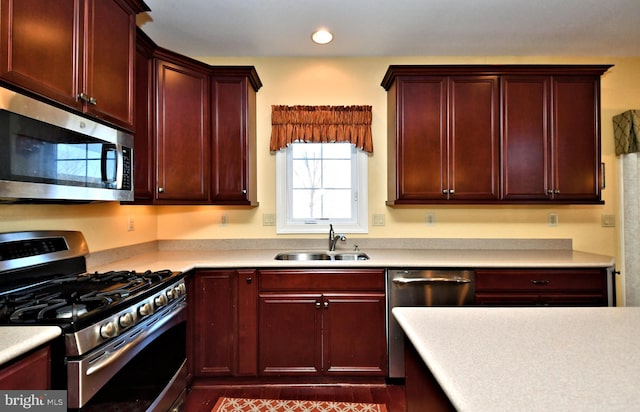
161 190
540 282
406 281
452 192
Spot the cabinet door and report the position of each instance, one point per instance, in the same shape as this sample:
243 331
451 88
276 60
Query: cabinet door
215 320
421 142
32 372
109 52
144 145
525 137
354 340
473 151
576 138
230 128
290 334
182 133
44 58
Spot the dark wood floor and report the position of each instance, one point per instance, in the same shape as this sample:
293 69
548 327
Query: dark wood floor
202 398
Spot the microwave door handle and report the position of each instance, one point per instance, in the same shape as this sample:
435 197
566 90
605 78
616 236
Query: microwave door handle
106 149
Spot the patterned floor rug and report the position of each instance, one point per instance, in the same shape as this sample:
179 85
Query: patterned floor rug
272 405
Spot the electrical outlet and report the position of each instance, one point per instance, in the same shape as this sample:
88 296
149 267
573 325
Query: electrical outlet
224 219
608 220
378 220
552 219
131 224
430 219
268 219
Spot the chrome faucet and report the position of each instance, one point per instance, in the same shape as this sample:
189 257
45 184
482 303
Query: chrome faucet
333 238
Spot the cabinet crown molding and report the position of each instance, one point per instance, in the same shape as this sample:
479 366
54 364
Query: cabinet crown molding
491 70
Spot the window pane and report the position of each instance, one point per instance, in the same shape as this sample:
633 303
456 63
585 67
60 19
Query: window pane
337 204
307 173
337 174
307 204
310 150
321 204
337 151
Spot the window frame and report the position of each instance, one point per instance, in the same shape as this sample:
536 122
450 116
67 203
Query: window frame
286 225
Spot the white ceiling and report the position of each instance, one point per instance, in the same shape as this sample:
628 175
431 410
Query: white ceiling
200 28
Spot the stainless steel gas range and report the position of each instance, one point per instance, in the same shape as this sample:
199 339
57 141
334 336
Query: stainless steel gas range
123 339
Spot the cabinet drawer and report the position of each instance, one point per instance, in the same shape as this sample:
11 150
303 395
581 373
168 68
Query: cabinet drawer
322 280
541 279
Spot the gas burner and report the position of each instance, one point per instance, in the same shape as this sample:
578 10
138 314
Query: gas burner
36 309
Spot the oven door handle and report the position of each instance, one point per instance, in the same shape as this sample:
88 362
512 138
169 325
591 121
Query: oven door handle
112 357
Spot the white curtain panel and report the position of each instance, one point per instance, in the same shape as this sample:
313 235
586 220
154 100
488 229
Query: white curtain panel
631 226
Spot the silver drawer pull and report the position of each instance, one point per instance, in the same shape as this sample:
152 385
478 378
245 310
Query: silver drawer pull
406 281
540 282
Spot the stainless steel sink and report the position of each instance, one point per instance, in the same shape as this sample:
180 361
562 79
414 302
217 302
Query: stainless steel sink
303 256
321 256
350 256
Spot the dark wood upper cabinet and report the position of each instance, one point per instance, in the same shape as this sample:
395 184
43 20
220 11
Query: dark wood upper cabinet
446 127
494 134
551 138
200 145
77 53
526 146
233 135
182 133
575 137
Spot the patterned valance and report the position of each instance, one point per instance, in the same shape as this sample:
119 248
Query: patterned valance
321 124
626 132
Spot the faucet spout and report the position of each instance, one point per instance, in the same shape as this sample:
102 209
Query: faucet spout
333 238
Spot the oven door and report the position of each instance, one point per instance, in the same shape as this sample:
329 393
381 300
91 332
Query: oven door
144 369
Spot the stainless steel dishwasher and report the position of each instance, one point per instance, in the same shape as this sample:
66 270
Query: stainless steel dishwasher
420 287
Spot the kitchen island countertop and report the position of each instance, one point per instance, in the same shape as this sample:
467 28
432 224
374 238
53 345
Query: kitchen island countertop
530 359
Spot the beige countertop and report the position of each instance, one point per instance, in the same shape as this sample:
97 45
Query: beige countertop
18 340
530 359
183 260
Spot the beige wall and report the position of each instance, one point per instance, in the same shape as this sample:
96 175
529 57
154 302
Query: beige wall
345 81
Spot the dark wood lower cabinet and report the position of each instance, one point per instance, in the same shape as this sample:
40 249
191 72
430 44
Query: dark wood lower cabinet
279 323
540 287
30 372
222 323
322 323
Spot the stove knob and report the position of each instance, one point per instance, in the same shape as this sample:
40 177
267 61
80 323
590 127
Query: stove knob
171 294
161 300
145 309
182 288
108 330
126 320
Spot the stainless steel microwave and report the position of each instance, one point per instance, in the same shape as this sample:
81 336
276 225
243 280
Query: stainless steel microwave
50 154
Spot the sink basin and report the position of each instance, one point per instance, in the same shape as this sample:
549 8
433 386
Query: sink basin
321 256
303 256
351 256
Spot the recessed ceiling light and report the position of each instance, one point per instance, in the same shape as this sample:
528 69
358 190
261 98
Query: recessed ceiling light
322 36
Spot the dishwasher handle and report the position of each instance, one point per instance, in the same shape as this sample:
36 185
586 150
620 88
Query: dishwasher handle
454 279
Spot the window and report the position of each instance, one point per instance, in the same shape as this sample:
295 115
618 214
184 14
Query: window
321 183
